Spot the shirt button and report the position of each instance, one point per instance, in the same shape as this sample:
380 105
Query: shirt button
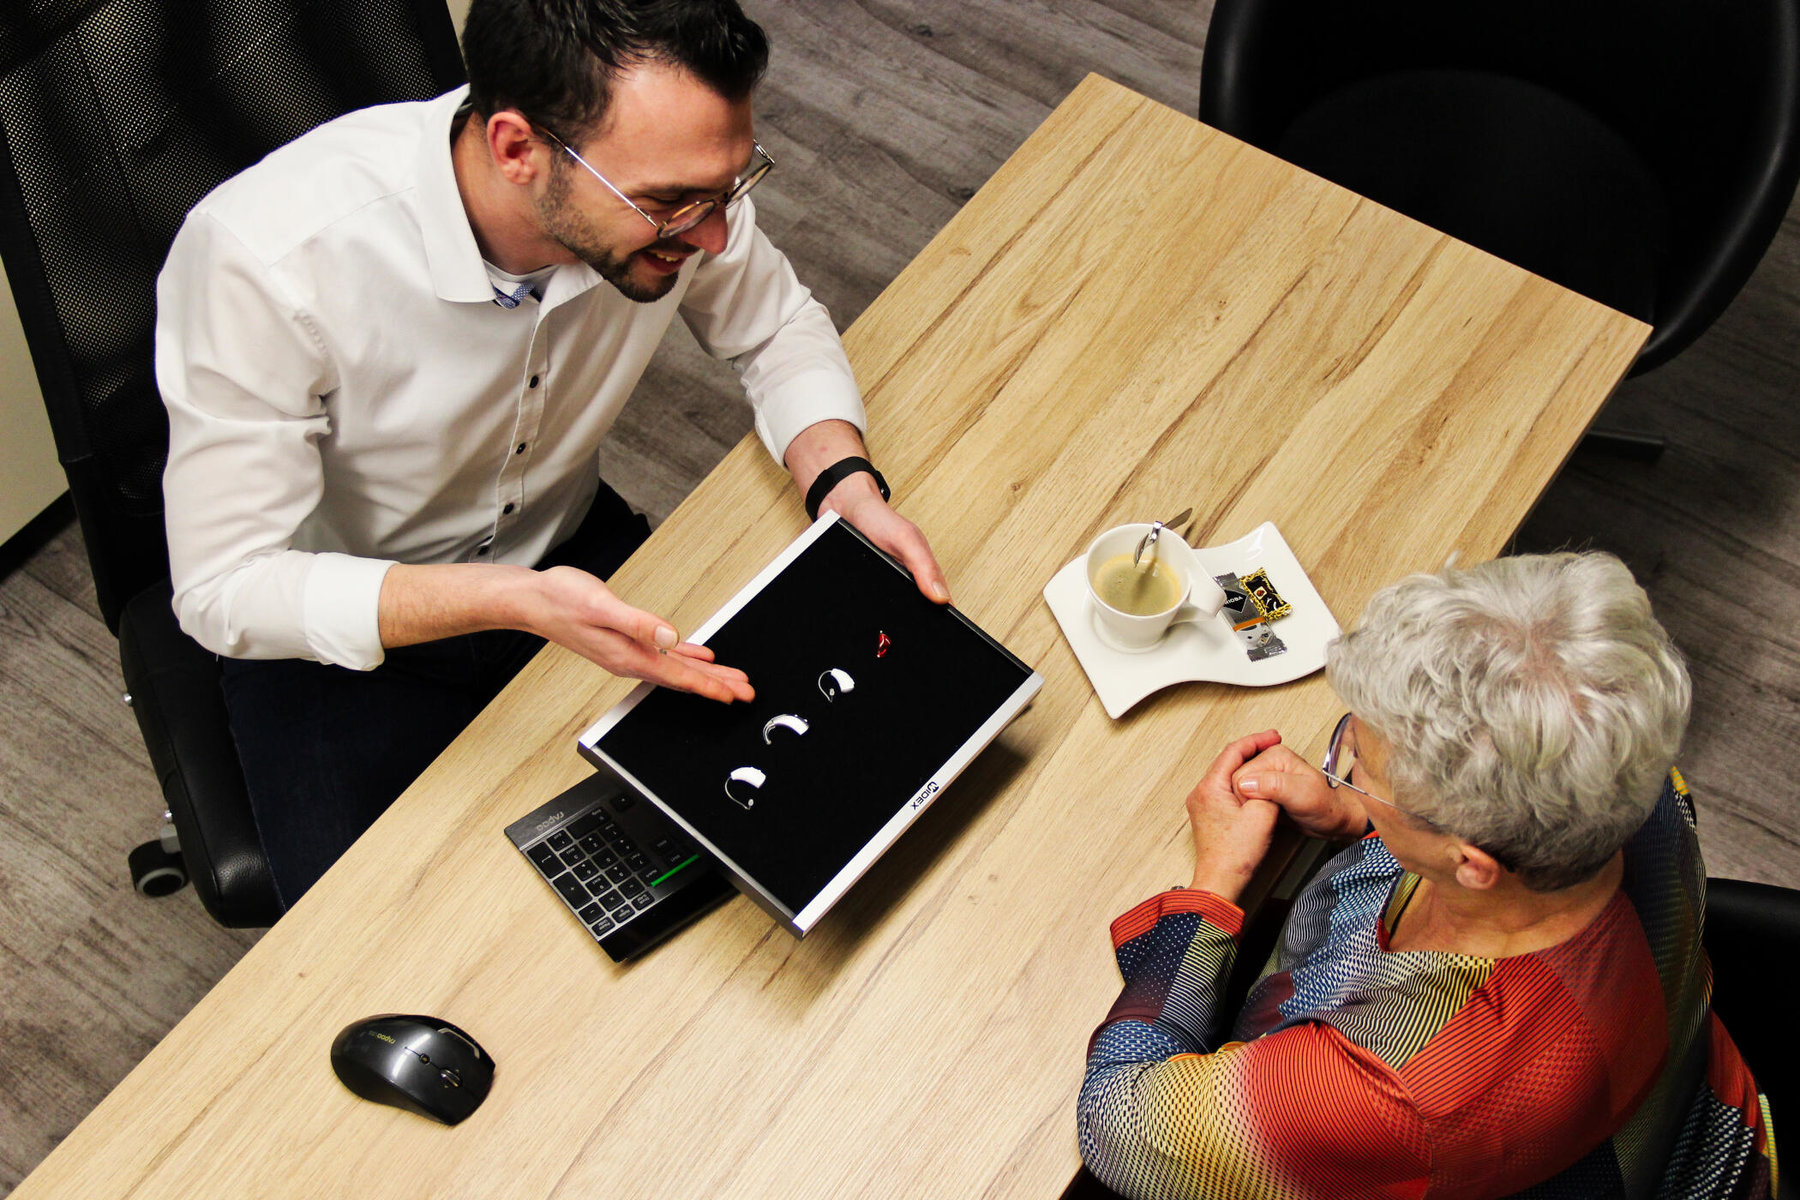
521 448
534 381
507 511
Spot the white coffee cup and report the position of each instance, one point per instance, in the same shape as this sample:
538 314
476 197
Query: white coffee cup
1193 597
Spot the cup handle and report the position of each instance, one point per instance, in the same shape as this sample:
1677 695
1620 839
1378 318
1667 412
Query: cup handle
1205 599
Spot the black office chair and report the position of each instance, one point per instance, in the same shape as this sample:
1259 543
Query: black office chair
116 116
1751 929
1641 152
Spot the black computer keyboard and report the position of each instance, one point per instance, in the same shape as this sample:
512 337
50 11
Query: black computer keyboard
626 872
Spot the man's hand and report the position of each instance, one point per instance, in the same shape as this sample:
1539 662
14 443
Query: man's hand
1231 835
565 605
858 501
577 611
1301 790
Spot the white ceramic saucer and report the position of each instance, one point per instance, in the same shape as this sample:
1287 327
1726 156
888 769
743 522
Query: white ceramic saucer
1205 649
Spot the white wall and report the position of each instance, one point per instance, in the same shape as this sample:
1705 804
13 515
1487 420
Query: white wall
30 477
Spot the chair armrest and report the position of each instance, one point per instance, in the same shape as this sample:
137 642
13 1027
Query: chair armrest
1750 928
174 686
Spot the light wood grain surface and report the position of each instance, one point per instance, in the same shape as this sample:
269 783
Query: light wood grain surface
1134 314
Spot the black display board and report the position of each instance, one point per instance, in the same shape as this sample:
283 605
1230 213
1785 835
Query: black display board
869 698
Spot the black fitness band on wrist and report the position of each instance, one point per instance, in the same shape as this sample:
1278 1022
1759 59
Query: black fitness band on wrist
835 474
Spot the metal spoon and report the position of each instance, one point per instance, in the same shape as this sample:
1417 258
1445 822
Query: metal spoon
1156 528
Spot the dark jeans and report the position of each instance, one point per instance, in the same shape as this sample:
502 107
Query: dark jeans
326 749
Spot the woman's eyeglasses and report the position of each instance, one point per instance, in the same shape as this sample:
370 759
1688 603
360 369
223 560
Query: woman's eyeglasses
1340 761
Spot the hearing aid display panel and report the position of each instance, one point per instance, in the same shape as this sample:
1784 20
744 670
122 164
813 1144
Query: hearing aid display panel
869 700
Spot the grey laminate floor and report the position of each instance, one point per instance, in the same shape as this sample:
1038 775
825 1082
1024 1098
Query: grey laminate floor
885 117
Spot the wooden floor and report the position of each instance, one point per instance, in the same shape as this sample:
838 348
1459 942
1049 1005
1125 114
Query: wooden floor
885 116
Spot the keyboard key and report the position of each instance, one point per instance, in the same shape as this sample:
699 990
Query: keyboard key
623 803
571 891
602 927
642 902
560 840
588 913
544 857
585 870
593 843
586 825
637 862
614 902
632 887
618 872
605 857
666 847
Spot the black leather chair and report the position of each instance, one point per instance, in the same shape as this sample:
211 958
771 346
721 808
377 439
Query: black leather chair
1752 930
1641 152
116 116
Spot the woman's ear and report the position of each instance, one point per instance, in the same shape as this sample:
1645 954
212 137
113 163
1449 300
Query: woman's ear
1476 869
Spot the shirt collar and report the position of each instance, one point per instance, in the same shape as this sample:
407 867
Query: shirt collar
450 249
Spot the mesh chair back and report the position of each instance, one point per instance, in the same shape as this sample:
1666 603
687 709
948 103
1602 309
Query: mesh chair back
116 117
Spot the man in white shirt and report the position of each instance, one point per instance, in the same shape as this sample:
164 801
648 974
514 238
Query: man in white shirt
390 351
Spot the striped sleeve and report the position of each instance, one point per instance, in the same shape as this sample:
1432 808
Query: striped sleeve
1166 1112
1175 951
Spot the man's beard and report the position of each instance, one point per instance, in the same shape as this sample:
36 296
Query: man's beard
564 223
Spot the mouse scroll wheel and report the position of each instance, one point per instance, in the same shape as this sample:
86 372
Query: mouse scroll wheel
450 1078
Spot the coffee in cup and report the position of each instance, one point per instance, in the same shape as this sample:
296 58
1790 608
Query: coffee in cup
1134 604
1141 589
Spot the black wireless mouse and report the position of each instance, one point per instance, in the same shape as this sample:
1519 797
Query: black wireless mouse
421 1064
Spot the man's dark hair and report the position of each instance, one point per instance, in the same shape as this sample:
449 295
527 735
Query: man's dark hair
555 60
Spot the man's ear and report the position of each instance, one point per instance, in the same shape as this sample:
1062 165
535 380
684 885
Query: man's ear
513 147
1476 869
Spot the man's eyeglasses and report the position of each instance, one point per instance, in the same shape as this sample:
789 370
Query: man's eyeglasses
1340 760
688 215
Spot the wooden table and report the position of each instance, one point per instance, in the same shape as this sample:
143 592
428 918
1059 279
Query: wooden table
1135 314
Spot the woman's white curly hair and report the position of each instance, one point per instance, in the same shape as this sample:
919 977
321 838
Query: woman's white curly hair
1531 705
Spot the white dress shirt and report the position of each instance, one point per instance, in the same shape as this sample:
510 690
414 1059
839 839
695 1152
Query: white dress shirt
343 393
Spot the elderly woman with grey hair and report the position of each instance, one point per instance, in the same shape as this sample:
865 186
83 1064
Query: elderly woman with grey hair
1498 987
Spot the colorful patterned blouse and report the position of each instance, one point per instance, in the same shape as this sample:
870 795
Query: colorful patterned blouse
1592 1069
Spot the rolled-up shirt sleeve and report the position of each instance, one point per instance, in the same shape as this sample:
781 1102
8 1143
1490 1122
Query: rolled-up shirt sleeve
244 379
747 306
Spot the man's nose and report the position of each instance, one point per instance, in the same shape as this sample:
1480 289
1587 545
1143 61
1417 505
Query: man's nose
710 234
